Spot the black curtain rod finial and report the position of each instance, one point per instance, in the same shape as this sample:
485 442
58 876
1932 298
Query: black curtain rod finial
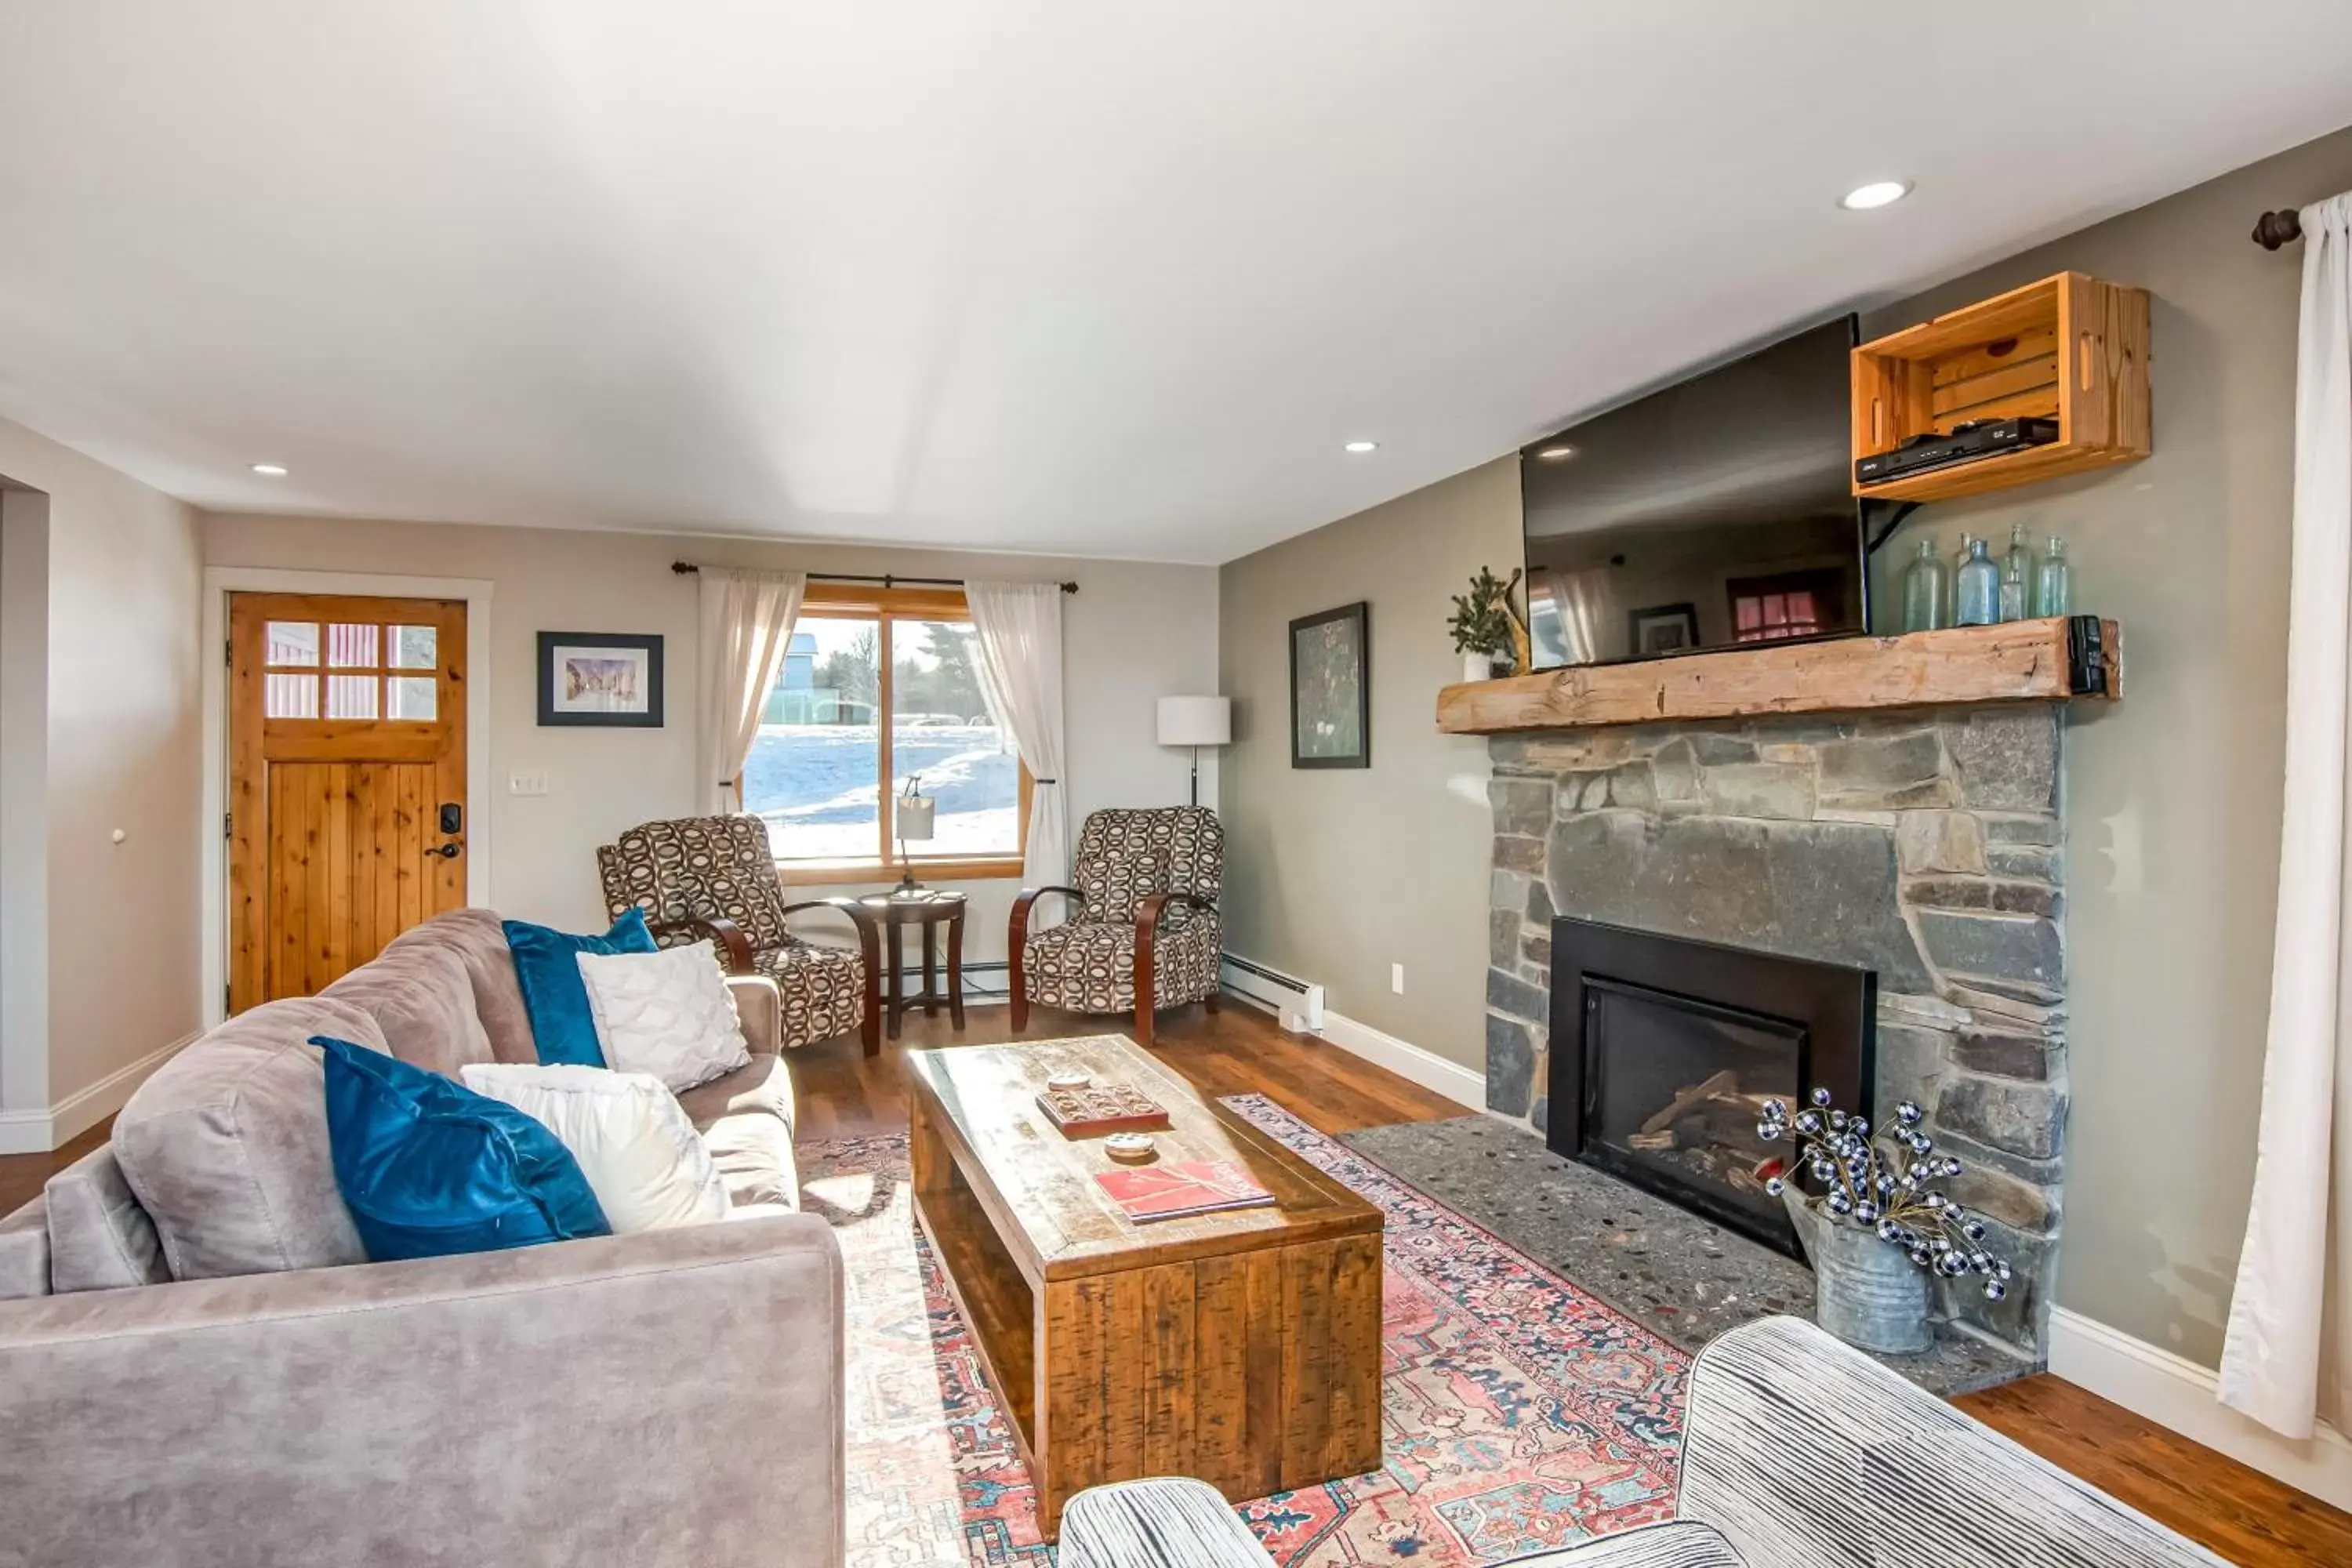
2273 230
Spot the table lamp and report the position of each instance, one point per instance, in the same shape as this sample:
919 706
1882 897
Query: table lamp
911 815
1196 722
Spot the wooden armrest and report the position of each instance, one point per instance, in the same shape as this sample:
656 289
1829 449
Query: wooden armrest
1017 933
723 933
869 948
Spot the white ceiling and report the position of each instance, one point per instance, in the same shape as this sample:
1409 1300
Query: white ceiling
1115 277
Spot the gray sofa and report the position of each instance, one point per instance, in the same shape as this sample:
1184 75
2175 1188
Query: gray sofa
1798 1452
197 1365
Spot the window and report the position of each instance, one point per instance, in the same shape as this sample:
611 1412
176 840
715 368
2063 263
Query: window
362 674
879 685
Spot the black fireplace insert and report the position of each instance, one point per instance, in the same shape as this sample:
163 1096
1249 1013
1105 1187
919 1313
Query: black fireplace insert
1664 1048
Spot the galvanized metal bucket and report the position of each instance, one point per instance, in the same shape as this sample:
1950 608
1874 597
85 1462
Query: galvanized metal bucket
1866 1292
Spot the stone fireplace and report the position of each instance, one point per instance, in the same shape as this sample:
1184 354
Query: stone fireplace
1921 846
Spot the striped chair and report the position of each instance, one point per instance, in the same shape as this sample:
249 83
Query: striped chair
1798 1452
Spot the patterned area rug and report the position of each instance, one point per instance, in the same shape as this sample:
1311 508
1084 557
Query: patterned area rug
1521 1414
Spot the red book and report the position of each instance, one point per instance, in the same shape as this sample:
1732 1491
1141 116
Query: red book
1182 1187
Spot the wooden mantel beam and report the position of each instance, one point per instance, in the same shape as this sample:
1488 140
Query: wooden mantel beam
2016 661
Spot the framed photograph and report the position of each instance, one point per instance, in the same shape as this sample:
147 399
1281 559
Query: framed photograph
1331 688
1663 629
600 679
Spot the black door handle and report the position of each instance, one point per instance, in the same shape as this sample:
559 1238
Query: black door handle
447 851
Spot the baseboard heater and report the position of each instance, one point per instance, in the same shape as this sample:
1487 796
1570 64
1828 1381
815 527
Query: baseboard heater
1298 1004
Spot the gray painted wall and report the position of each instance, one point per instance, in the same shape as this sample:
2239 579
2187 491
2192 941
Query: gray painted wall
2173 795
1336 874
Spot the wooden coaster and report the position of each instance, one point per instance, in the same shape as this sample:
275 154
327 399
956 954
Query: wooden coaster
1131 1148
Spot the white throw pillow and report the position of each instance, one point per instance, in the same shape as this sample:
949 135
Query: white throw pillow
669 1013
643 1159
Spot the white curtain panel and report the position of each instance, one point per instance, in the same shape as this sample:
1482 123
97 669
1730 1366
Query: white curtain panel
1020 631
747 622
1578 596
2287 1360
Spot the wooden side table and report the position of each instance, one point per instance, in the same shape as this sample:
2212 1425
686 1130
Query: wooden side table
925 912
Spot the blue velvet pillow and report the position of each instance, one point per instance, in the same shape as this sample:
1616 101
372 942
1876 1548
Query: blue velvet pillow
548 964
429 1168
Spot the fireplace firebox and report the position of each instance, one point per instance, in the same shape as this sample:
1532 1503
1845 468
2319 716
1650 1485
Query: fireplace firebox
1664 1050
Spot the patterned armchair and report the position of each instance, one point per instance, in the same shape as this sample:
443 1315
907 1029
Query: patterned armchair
715 878
1145 934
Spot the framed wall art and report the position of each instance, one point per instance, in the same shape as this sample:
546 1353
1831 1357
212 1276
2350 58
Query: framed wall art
1331 688
600 679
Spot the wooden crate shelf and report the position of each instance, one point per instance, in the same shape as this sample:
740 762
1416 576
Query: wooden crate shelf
2071 348
2017 661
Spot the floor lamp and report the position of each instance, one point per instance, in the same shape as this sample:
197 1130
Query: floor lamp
1196 722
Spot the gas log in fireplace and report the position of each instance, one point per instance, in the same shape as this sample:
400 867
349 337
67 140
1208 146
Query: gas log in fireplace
1665 1049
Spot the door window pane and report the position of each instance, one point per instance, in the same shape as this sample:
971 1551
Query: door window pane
941 730
411 696
289 642
351 696
351 647
413 647
815 770
291 695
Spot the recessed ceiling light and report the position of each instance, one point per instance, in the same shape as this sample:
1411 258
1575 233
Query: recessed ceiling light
270 471
1557 453
1363 445
1878 194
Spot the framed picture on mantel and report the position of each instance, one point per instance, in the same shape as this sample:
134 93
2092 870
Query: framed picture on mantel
1331 688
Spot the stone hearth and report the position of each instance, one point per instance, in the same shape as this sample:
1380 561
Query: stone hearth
1923 846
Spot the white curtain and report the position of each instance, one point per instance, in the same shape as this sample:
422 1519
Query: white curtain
1578 596
1019 634
747 622
2288 1357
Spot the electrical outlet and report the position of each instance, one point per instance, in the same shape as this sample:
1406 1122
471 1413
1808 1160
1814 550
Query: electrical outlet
531 782
1396 978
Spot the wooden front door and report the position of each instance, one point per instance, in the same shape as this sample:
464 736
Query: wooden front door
347 781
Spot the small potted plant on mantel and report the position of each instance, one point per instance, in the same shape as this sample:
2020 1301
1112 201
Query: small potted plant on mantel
1486 632
1880 1228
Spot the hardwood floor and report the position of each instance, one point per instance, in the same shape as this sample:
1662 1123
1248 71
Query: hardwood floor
2241 1514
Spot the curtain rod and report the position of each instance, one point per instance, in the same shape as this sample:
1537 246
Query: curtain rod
2284 226
683 567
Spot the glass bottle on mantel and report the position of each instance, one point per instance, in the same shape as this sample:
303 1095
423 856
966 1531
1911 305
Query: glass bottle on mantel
1977 598
1924 604
2017 576
1959 564
2054 590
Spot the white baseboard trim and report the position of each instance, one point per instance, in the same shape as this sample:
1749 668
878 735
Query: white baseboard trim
39 1131
1407 1060
2177 1393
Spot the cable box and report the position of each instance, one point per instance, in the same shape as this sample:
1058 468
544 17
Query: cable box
1966 444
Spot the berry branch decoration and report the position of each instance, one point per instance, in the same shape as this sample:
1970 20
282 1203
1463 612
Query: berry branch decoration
1881 1184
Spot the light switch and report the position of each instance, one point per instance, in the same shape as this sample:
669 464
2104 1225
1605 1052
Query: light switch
531 781
1396 978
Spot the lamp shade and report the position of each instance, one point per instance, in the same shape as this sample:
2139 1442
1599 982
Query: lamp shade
1195 720
912 817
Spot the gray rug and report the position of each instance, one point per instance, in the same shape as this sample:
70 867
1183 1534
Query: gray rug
1684 1278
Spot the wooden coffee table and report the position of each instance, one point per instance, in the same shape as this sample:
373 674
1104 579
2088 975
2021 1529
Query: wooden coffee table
1243 1348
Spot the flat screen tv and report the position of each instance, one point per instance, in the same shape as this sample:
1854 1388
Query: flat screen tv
1715 512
